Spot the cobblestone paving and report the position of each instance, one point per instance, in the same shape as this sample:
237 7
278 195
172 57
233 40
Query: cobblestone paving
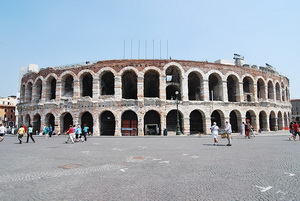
151 168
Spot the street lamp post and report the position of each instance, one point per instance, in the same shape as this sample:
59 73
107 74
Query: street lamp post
178 132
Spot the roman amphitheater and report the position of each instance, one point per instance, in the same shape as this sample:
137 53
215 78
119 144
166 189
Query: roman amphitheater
141 97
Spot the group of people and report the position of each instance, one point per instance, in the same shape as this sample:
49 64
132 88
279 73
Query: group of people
23 130
215 132
294 130
77 134
48 130
247 130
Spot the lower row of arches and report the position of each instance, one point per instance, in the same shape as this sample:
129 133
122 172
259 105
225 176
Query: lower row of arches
152 124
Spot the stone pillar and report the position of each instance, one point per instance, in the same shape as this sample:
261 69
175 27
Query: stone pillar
207 125
76 90
240 96
58 90
206 90
118 88
224 91
140 88
96 89
118 120
163 122
186 125
96 127
140 124
184 89
57 125
255 99
162 88
45 90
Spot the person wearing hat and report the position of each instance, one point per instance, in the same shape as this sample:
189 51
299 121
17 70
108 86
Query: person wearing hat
214 132
228 131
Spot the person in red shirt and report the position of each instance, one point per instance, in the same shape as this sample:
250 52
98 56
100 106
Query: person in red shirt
71 133
296 130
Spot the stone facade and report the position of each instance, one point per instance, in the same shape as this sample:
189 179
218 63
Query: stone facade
140 97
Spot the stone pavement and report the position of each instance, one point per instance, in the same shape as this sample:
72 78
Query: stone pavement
151 168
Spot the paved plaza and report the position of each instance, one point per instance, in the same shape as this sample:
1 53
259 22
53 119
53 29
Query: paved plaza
151 168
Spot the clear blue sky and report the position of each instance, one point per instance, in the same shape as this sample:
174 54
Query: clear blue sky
61 32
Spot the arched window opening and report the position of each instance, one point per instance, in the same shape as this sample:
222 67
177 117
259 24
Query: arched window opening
39 89
108 84
194 86
232 88
172 121
87 85
233 121
68 86
196 122
216 117
87 120
152 123
129 85
277 92
129 125
270 90
67 120
151 84
260 89
108 124
215 88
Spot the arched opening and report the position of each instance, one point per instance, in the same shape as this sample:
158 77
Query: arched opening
263 121
87 120
108 84
248 89
108 124
232 88
194 86
196 122
272 121
67 120
152 123
151 84
172 121
280 121
50 120
87 85
216 117
215 88
129 85
171 92
39 89
270 91
261 89
68 86
36 124
129 123
233 119
282 92
277 92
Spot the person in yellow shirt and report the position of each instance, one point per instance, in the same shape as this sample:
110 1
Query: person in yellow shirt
21 132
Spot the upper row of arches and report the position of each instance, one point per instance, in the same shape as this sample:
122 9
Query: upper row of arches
193 84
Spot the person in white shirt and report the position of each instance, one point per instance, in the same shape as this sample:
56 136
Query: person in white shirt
214 132
2 132
228 131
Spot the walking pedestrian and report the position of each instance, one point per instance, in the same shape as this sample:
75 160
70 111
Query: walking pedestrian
247 131
21 132
46 131
228 131
71 134
243 129
2 132
79 132
30 133
85 131
296 128
214 133
50 130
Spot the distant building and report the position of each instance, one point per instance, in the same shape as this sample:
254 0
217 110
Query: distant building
295 109
8 110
